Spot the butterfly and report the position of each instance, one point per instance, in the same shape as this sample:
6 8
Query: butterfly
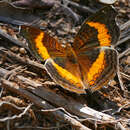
90 62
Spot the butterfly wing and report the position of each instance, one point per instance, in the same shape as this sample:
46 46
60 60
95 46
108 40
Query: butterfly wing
98 66
42 45
99 29
61 63
92 44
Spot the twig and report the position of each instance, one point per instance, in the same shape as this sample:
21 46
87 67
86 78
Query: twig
125 25
127 51
25 61
11 39
125 76
15 116
122 40
118 70
13 105
120 79
121 108
8 75
69 12
124 37
81 8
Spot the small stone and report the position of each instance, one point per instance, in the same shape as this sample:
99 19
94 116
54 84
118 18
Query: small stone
22 51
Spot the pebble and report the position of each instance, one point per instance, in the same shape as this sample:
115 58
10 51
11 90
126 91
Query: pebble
22 51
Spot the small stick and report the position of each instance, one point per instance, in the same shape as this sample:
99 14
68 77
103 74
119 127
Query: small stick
81 8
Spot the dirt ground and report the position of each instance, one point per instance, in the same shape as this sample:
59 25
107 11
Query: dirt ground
31 100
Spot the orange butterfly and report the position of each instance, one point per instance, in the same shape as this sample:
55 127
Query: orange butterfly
90 62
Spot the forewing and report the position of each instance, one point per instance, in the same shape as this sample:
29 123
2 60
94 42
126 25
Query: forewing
42 45
98 67
99 29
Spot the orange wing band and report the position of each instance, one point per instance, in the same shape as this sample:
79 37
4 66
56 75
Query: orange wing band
67 75
39 45
103 36
96 68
